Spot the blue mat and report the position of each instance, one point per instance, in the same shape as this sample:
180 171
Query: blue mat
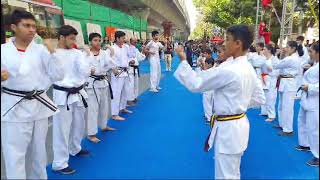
164 139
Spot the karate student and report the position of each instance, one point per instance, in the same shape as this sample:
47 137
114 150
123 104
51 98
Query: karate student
238 88
99 89
134 73
207 98
119 77
269 77
308 119
305 58
289 67
27 71
155 67
70 96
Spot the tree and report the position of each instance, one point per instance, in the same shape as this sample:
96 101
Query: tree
224 13
202 30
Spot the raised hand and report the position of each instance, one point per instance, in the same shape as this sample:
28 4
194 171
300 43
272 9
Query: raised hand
4 75
180 51
49 45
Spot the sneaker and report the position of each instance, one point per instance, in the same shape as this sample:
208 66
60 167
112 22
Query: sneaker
313 162
159 88
302 148
83 153
66 170
285 133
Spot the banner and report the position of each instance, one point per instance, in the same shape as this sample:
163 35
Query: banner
93 28
110 33
77 26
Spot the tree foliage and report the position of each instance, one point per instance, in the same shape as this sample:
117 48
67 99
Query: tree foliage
224 13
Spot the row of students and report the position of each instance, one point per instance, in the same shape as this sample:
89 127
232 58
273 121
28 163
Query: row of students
81 93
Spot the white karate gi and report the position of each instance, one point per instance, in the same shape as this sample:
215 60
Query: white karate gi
120 83
269 86
237 88
68 125
308 119
287 90
98 92
303 60
155 66
135 55
25 127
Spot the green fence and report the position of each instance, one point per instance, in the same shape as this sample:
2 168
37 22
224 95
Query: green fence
88 12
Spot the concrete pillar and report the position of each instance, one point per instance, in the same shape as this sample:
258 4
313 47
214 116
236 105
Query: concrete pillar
143 13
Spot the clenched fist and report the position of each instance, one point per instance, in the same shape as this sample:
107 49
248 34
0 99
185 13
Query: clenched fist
4 75
180 51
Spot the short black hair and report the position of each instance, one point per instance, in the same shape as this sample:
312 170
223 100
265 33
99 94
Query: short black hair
261 44
271 49
252 49
67 30
93 35
243 33
18 15
300 38
208 51
153 33
299 48
119 34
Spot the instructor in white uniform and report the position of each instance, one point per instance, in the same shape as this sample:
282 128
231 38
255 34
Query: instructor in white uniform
236 88
155 67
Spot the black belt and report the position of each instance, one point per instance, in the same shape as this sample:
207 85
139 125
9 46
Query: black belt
73 90
122 69
29 95
135 67
100 78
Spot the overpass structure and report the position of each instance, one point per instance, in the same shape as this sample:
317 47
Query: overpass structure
170 17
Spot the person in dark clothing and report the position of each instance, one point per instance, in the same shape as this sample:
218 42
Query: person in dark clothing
189 54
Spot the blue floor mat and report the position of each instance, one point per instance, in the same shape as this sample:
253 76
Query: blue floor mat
164 139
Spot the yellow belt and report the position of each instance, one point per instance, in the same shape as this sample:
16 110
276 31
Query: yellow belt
225 118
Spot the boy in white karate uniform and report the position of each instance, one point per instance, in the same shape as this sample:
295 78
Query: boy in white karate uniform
99 89
27 71
70 96
238 88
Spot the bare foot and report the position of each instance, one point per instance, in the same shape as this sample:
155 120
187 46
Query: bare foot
269 120
126 111
94 139
108 129
118 118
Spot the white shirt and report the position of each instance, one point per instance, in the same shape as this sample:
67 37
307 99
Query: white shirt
271 78
135 55
236 88
235 85
289 66
154 48
76 70
311 78
34 69
102 63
